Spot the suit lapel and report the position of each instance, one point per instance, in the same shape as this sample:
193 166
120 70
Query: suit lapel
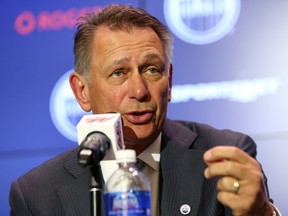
181 175
181 170
74 193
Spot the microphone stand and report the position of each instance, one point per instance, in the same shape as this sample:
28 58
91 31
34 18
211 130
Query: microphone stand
90 152
96 196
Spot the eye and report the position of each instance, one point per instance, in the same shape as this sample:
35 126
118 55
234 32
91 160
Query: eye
152 74
117 73
153 70
117 76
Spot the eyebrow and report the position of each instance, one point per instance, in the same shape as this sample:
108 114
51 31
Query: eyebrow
152 56
148 58
120 61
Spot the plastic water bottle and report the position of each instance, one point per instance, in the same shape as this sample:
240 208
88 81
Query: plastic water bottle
127 191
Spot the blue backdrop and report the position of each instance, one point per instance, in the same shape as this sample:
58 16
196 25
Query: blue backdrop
230 71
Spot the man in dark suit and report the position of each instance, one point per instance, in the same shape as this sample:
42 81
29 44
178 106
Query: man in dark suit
123 64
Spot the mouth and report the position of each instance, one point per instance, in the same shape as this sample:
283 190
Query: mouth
138 117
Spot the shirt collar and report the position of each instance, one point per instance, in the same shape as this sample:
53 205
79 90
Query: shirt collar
151 155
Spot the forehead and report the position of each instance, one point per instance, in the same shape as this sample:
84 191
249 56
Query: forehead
124 30
110 42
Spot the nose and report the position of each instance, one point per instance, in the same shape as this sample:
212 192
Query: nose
138 88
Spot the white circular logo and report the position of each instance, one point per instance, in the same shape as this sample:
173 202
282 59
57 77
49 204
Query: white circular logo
64 108
201 21
185 209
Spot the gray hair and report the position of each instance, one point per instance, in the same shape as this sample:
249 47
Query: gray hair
115 17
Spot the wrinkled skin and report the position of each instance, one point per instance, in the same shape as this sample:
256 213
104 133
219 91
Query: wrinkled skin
129 75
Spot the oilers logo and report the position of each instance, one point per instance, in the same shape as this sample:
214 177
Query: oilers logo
201 21
64 109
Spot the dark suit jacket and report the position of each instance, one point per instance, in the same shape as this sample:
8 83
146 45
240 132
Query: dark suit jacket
61 186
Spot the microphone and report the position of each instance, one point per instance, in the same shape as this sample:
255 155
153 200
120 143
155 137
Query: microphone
96 133
93 148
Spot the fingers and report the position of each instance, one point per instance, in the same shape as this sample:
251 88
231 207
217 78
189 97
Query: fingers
226 152
229 161
223 168
229 185
237 187
232 169
248 198
240 185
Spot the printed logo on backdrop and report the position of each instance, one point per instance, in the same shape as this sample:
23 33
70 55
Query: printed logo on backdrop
64 108
201 21
28 22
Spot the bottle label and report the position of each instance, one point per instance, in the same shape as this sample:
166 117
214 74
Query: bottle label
129 203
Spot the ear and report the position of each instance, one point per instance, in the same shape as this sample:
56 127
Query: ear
170 82
80 89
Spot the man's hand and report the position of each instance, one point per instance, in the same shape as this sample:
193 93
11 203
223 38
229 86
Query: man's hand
241 182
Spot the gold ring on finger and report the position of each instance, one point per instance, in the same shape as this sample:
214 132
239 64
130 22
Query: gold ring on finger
236 187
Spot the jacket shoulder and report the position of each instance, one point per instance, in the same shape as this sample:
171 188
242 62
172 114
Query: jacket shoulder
209 136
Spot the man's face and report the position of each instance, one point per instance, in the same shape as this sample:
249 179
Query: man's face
129 75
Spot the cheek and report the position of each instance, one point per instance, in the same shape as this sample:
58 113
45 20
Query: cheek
164 94
161 97
107 100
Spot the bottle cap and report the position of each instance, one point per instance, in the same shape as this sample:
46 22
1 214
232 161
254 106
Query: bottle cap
126 155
